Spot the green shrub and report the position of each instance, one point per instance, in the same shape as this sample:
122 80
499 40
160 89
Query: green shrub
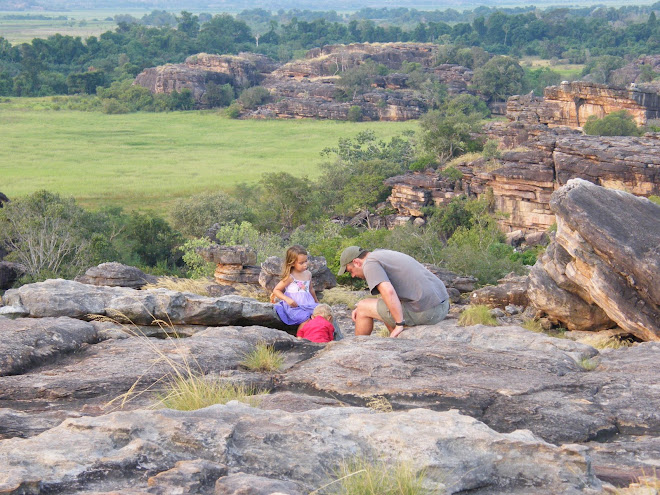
588 364
532 325
423 163
217 95
477 315
263 358
491 149
251 98
655 199
233 111
197 266
354 114
619 123
451 173
194 215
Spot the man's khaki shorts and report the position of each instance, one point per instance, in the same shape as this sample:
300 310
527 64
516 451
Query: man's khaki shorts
428 317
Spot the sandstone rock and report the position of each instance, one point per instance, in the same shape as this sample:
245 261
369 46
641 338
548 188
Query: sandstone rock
98 374
115 274
249 484
322 277
187 477
571 104
9 273
507 292
23 425
27 342
229 255
607 254
458 453
54 298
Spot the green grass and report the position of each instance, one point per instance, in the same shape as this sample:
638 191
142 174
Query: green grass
477 315
263 358
145 161
532 326
77 23
588 364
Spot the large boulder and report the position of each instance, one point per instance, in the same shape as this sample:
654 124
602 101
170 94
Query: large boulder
115 274
57 297
603 267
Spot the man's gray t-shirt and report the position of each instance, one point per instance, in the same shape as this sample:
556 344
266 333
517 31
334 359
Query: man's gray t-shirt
413 283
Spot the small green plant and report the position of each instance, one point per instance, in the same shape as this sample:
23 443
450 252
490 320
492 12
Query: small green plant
361 476
607 342
233 111
655 199
263 358
588 364
477 315
532 325
354 114
491 149
187 393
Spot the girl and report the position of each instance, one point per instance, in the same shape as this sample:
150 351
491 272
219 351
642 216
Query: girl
295 290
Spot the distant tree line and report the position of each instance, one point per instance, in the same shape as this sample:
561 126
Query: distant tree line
69 65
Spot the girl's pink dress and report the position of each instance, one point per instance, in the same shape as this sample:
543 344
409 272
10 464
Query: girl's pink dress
298 290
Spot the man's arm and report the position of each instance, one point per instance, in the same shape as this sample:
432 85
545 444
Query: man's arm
393 303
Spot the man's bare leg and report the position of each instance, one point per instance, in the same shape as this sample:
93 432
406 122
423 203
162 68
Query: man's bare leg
364 315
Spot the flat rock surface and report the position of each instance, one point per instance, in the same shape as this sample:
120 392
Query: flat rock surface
457 452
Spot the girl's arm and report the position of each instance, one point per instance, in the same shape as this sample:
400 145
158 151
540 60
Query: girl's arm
278 291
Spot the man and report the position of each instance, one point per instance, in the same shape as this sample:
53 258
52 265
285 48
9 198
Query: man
410 294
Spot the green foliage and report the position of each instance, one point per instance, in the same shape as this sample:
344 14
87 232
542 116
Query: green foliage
360 476
197 267
600 68
358 79
423 163
265 243
532 325
151 240
538 79
263 358
217 95
655 199
233 111
466 104
251 98
192 216
588 364
43 232
492 149
354 114
445 136
619 123
286 198
499 78
477 315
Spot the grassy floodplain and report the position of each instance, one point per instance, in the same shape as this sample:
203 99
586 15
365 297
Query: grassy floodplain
146 161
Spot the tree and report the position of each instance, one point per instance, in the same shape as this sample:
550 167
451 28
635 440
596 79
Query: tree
618 123
499 78
194 215
43 233
286 198
445 136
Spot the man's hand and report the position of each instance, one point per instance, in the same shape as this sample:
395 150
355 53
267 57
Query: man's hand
397 331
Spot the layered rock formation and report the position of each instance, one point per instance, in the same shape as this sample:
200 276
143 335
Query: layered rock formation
522 182
307 88
235 264
571 104
603 267
198 70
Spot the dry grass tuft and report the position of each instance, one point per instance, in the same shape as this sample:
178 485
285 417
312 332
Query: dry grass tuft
361 476
589 364
252 291
340 295
379 403
263 358
188 393
607 341
194 286
477 315
532 325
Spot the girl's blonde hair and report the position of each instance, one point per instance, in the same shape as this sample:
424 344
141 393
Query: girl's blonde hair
324 311
291 257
